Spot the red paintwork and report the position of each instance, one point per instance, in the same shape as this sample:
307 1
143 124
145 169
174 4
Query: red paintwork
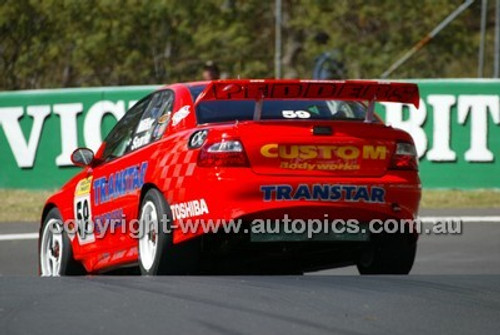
232 193
354 90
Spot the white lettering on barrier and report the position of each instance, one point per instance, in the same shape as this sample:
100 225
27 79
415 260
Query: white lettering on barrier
24 152
69 140
478 107
413 125
93 120
475 110
441 106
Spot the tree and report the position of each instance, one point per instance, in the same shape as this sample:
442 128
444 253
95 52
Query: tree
64 43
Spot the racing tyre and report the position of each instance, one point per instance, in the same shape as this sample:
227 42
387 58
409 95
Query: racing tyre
55 252
390 255
157 253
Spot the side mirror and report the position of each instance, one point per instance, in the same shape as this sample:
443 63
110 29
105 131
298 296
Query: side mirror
82 157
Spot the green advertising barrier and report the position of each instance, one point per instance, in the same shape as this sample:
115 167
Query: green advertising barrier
40 128
456 130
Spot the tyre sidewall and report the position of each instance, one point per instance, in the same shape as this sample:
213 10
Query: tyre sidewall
394 255
68 264
165 240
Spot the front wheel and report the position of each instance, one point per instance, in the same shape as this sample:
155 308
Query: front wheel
157 253
55 252
389 255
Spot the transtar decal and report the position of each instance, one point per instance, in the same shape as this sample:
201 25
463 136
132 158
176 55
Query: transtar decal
324 192
119 183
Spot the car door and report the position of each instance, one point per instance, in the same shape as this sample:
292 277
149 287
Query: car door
106 203
117 181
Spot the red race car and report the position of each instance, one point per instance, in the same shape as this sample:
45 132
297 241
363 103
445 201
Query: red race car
265 176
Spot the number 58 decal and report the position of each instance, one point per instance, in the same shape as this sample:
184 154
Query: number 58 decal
298 114
82 211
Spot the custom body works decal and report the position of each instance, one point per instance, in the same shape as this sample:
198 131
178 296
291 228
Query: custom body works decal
119 183
312 151
322 157
324 192
189 209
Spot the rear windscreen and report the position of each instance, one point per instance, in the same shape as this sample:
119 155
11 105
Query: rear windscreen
232 110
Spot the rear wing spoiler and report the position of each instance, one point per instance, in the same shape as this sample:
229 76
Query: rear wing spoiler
353 90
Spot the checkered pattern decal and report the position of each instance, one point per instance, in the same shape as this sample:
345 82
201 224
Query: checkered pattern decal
176 163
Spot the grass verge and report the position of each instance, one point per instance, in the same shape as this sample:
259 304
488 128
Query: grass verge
22 205
26 205
460 199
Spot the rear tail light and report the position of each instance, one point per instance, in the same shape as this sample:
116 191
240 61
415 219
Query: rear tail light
225 153
405 157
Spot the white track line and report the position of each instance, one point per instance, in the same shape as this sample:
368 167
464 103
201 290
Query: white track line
464 219
14 237
425 219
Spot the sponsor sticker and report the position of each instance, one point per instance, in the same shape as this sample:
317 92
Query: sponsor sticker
189 209
180 115
140 141
119 183
322 156
323 192
83 212
110 220
164 118
83 186
159 130
298 114
197 139
145 125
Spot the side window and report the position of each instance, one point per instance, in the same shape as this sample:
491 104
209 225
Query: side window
121 135
154 120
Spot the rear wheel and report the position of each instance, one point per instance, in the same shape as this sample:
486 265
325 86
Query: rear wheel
157 253
390 255
55 253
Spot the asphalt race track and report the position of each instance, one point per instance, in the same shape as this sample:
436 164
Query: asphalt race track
454 289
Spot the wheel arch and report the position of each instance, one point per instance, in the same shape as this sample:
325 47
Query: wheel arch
145 188
46 209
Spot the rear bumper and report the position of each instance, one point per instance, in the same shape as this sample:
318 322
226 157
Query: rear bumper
239 193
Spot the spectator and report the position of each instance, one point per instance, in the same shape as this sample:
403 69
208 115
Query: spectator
211 71
328 65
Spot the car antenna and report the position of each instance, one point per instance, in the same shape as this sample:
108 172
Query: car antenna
257 113
370 110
